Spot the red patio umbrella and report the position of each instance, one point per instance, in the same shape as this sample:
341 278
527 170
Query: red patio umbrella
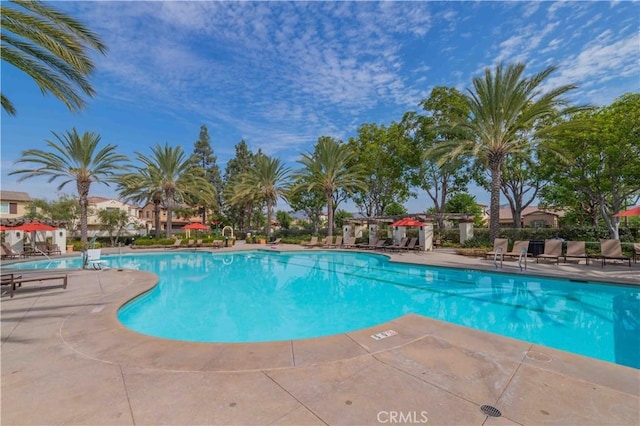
631 212
407 221
3 228
197 226
33 227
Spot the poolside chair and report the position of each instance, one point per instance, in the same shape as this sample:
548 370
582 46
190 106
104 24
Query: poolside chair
351 243
518 248
576 250
327 242
176 244
611 249
53 249
636 252
397 247
499 247
191 243
411 245
93 259
337 243
552 250
8 251
198 243
312 243
379 245
276 241
216 244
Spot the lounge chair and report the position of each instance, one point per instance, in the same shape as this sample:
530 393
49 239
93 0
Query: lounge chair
337 243
611 249
552 250
576 250
351 242
191 243
176 244
411 245
518 248
378 244
93 259
636 252
327 242
8 251
397 247
14 281
276 241
53 249
312 243
198 243
216 244
499 247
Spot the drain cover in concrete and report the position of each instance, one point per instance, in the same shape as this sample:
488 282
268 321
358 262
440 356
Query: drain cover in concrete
490 411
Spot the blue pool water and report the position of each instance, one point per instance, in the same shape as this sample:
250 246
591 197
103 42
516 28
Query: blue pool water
265 296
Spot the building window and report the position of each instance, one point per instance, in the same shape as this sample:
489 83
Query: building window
539 223
147 214
13 208
4 208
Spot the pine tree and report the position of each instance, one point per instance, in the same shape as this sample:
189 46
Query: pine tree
203 156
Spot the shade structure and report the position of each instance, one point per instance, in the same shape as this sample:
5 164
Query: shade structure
631 212
197 226
407 221
4 228
33 227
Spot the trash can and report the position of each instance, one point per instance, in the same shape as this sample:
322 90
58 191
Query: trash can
536 247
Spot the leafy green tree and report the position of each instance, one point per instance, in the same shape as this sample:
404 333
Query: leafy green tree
204 157
444 105
114 220
310 202
65 209
464 203
504 104
327 169
383 152
169 169
284 219
341 217
395 209
74 158
240 213
603 172
267 181
51 48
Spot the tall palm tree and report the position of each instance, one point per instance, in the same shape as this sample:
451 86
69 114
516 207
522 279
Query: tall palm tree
141 187
504 106
51 47
267 181
170 172
74 158
328 170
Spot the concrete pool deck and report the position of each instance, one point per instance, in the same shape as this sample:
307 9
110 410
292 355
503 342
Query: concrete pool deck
67 360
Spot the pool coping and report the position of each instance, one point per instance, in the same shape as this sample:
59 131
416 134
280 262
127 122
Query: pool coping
451 358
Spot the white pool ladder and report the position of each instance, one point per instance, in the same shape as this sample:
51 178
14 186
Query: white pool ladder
495 257
523 252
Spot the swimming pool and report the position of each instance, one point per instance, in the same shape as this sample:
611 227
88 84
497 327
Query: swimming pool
265 296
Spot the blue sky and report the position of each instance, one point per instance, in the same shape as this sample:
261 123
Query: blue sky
280 74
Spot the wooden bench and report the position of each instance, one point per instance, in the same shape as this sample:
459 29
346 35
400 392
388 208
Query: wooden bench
14 281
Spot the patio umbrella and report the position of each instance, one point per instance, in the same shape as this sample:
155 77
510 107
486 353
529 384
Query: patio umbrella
197 226
631 212
407 221
3 228
33 227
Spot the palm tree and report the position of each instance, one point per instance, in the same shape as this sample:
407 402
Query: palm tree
141 187
327 169
504 107
267 181
50 47
167 175
74 158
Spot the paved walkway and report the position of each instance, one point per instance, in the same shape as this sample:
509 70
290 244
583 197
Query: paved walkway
67 360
